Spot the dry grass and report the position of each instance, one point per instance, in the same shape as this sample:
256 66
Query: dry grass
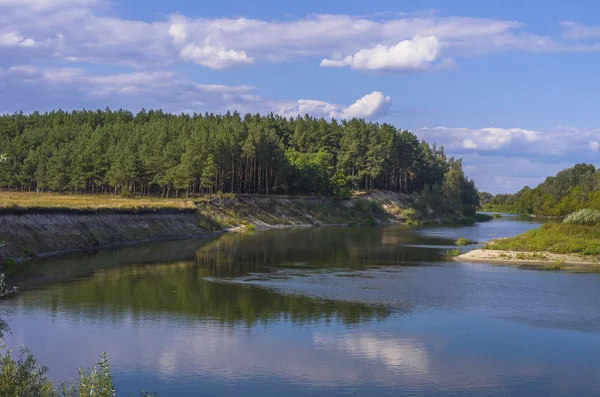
24 200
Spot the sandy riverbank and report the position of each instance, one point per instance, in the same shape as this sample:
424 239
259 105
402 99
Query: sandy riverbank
545 260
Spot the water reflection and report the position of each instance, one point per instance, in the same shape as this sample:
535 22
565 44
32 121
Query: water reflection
323 312
236 255
401 355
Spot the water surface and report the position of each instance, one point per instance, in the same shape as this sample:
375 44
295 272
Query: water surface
322 312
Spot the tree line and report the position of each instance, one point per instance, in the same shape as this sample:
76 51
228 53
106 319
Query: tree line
167 155
570 190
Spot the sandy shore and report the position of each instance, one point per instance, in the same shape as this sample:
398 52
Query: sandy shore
532 259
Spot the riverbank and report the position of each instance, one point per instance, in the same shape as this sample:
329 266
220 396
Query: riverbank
554 245
32 226
539 260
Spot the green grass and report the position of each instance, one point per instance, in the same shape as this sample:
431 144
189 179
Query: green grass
587 217
554 237
462 241
25 200
531 256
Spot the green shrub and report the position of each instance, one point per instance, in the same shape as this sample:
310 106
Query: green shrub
23 377
462 241
453 253
587 217
409 213
250 228
496 216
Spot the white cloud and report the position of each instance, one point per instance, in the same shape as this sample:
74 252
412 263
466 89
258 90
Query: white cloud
370 106
417 53
29 88
215 57
482 139
13 39
506 159
87 31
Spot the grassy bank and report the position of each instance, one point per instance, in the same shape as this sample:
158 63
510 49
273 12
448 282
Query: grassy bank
558 238
19 201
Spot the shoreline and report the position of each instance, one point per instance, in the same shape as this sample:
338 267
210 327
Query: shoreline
29 233
530 259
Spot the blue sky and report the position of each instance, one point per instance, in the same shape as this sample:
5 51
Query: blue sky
509 86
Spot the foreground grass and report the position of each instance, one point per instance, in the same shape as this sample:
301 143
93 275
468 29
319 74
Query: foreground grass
25 200
554 237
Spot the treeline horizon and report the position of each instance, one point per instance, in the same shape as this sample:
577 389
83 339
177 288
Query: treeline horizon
570 190
162 154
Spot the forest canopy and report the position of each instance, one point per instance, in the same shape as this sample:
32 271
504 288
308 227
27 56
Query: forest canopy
157 153
570 190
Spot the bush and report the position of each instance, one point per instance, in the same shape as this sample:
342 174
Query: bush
23 377
462 241
587 217
409 213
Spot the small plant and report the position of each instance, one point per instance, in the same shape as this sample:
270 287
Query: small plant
462 241
250 228
453 253
496 215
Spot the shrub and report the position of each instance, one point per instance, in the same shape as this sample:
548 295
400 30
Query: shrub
409 213
453 253
587 217
23 377
462 241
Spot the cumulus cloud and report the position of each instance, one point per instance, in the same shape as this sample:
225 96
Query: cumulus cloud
86 31
371 106
30 88
505 159
215 57
13 39
482 139
417 53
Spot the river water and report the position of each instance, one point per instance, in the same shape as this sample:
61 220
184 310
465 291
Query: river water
320 312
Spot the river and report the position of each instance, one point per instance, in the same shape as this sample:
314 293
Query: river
322 312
